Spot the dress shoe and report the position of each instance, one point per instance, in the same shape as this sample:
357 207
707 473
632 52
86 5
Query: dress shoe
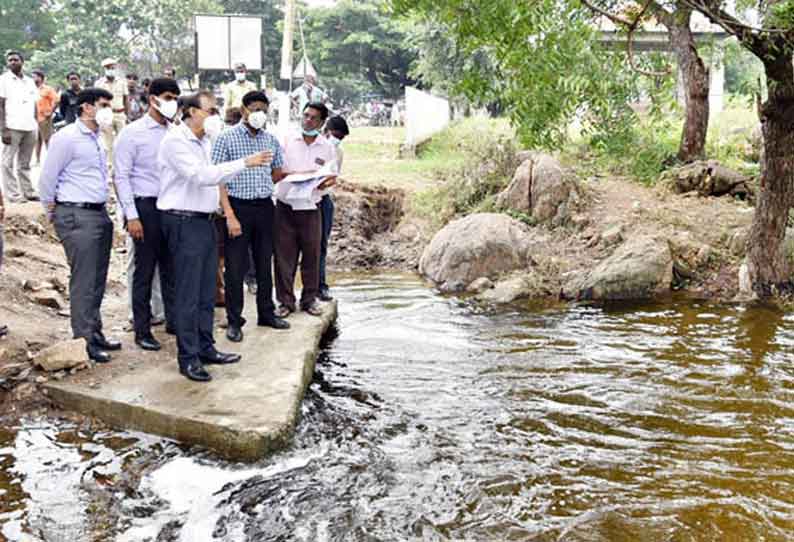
97 354
234 334
171 330
3 331
283 311
148 342
313 308
33 197
219 358
275 322
103 343
325 295
195 371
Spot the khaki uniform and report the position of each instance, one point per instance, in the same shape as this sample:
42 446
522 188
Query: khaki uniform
119 90
233 93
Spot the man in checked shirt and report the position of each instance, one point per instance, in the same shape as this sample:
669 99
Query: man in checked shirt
248 206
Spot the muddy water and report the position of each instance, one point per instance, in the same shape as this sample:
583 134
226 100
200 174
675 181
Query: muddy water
432 419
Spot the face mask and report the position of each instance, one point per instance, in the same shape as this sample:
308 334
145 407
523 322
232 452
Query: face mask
104 117
110 73
311 133
334 141
257 120
213 126
167 108
240 76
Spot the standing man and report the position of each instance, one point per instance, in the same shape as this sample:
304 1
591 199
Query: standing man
188 202
134 99
307 93
74 190
18 97
248 207
45 108
3 327
137 179
234 91
70 111
120 106
298 233
336 131
169 72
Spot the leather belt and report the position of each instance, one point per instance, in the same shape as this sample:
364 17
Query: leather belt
191 214
82 205
144 198
122 110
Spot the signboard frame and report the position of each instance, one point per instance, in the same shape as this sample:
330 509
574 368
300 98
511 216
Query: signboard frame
230 60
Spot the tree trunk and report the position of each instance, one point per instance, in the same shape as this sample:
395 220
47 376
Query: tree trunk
695 78
769 268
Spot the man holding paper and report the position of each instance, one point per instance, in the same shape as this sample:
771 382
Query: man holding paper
248 208
310 166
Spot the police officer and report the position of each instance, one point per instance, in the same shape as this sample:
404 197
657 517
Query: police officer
188 200
74 189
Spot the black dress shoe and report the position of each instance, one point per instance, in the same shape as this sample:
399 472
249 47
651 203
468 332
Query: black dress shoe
234 334
3 331
195 371
171 330
325 295
97 354
275 322
105 344
148 342
219 358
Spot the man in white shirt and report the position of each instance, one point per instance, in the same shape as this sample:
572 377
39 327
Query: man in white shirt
18 125
188 200
307 93
118 88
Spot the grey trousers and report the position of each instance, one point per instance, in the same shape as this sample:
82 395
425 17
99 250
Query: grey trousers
87 236
21 149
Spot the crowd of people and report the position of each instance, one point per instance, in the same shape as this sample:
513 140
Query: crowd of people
190 188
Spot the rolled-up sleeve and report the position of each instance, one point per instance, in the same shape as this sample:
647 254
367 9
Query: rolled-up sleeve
178 154
58 155
123 158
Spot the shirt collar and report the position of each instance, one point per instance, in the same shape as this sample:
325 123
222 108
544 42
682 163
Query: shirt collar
85 129
189 133
317 141
152 124
244 129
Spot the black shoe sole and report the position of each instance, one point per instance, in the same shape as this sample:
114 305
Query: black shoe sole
150 348
193 379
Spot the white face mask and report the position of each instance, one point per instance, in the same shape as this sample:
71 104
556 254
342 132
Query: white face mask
240 76
167 108
257 120
213 126
334 141
110 72
104 117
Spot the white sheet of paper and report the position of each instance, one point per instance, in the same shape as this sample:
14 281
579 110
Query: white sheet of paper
299 190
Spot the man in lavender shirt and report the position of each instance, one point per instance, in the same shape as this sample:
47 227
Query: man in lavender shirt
74 189
137 181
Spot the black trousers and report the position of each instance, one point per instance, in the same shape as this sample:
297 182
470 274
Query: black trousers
327 214
87 236
150 252
256 219
194 255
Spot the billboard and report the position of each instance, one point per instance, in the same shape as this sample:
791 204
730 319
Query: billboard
224 40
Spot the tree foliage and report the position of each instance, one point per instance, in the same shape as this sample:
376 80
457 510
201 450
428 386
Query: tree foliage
549 64
26 25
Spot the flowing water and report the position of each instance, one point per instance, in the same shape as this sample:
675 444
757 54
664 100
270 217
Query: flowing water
432 419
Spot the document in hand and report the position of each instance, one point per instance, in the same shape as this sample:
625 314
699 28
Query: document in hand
299 190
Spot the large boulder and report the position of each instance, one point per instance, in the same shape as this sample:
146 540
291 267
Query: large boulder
639 269
541 189
479 245
710 178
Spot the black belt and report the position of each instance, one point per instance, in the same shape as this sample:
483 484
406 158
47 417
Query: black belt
145 198
82 205
191 214
253 202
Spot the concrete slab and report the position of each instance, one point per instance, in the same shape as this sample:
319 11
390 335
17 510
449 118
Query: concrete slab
248 410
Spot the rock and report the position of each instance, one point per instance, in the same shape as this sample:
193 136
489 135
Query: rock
479 245
49 298
509 290
32 285
613 235
639 269
689 255
738 243
64 355
480 285
14 252
58 284
12 370
541 189
41 379
710 178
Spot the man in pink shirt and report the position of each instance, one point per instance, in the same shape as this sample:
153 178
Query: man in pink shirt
298 232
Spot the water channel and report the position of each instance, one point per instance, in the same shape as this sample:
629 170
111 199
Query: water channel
431 418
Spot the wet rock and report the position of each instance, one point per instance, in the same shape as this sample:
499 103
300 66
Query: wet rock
48 298
690 256
64 355
479 245
710 178
541 189
511 289
639 269
480 285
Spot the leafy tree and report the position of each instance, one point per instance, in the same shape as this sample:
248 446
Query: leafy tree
26 25
549 66
360 39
